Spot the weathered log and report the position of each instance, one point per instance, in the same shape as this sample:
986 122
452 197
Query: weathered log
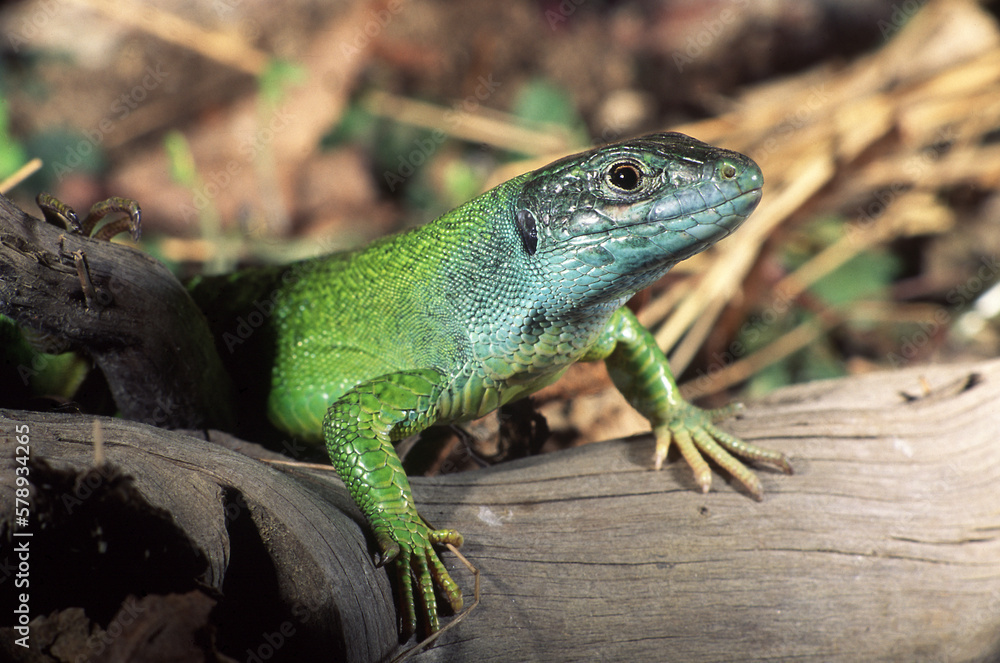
885 544
282 552
124 309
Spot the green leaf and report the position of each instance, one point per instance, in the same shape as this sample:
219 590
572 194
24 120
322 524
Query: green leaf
461 181
63 152
12 155
180 158
356 125
277 78
866 276
543 102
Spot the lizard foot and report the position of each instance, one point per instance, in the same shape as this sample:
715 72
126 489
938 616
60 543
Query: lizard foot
409 542
696 435
59 213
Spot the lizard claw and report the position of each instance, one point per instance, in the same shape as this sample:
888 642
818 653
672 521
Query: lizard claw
388 547
59 213
697 437
410 544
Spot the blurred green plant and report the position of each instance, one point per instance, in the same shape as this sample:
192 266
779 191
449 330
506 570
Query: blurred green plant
544 103
26 370
430 171
184 171
12 154
274 82
864 279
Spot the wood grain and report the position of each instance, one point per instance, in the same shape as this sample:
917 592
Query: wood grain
139 325
885 544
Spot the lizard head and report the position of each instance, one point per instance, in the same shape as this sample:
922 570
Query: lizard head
609 222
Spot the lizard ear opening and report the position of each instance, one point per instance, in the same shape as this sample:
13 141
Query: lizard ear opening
528 230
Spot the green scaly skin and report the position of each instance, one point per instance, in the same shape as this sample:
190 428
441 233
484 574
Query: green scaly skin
484 305
489 303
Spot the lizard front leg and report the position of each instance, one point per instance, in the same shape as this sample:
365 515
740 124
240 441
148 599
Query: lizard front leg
359 429
641 372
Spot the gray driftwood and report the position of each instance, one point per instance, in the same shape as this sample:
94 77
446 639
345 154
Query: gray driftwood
128 312
885 544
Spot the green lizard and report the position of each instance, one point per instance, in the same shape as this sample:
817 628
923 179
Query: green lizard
486 304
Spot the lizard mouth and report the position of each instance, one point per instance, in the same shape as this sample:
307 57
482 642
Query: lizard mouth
726 216
708 225
651 242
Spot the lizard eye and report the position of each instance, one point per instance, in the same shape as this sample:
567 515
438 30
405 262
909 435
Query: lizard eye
528 230
625 175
